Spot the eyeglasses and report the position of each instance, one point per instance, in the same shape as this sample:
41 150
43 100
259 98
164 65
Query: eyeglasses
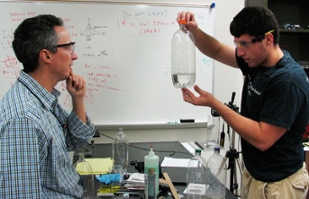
246 45
71 45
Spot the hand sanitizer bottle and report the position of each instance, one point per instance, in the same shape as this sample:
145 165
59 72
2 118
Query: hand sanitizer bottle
151 168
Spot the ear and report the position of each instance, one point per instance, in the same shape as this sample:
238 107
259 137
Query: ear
270 38
45 55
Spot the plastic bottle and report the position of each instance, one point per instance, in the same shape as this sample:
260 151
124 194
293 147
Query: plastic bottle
183 57
218 168
196 177
151 168
85 170
120 153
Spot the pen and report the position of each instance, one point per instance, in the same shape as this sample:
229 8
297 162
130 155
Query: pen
199 145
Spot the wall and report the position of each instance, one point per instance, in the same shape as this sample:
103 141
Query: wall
226 81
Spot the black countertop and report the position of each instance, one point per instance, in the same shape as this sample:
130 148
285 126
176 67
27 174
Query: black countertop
137 151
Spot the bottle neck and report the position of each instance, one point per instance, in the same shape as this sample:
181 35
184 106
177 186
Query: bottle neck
81 157
182 26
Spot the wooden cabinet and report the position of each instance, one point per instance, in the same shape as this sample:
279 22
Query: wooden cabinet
293 19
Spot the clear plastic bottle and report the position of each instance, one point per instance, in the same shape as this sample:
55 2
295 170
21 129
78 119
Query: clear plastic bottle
85 170
120 153
151 168
218 168
183 57
196 177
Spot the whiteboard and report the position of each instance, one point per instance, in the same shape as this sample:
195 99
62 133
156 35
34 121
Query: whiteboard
123 53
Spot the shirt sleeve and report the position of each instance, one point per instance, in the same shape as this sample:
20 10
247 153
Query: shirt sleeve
79 134
19 157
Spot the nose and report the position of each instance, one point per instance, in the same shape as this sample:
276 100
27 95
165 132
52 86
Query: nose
74 56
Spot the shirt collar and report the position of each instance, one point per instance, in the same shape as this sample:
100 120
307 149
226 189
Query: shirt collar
48 99
284 59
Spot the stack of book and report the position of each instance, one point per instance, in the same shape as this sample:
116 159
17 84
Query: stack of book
134 186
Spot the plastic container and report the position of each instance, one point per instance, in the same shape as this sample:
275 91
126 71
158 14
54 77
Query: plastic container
120 153
151 168
85 170
218 168
183 57
196 177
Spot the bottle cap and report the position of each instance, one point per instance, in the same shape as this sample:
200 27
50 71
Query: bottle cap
198 151
217 148
151 152
183 22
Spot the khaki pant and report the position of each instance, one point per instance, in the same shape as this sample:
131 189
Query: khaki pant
293 187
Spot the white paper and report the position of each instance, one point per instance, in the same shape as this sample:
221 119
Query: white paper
137 178
175 162
196 189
